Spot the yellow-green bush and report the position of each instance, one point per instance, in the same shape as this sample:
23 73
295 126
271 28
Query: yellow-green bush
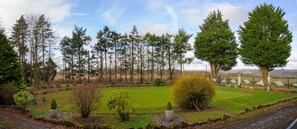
193 91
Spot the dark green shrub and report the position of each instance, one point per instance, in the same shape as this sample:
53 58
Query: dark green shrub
6 94
169 106
119 101
59 86
53 104
193 91
172 81
10 68
158 82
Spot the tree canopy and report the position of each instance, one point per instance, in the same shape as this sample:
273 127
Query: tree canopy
265 39
216 43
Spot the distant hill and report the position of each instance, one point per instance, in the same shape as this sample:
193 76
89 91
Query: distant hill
254 72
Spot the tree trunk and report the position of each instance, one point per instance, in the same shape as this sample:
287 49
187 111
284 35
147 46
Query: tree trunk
125 56
89 67
110 62
152 70
115 64
181 66
101 67
169 64
132 64
162 67
72 63
214 70
141 68
36 63
264 72
79 65
121 71
148 63
105 71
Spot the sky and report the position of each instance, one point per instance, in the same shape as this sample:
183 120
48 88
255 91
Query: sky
154 16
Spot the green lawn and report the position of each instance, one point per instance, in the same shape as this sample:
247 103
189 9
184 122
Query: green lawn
152 100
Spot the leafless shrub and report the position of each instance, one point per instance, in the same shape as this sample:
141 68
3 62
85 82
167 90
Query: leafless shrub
85 100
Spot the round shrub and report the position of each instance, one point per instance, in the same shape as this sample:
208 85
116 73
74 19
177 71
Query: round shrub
193 92
120 102
21 99
158 82
6 94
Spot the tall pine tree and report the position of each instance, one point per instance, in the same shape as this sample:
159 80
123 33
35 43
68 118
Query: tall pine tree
216 44
19 39
265 39
79 41
10 67
181 47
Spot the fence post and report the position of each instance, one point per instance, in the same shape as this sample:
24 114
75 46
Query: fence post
228 81
288 81
253 82
239 80
219 80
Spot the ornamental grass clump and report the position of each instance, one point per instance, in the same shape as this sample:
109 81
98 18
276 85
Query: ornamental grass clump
193 92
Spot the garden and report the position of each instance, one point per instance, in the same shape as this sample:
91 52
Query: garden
150 103
133 80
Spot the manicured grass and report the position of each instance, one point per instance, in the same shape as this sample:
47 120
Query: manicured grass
134 121
153 100
236 100
147 100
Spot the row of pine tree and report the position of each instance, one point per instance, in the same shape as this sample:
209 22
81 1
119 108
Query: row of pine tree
264 41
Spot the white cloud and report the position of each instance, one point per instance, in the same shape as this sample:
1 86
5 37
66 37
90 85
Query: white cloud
158 29
293 56
64 31
155 5
236 14
113 13
173 15
79 14
11 10
194 15
109 16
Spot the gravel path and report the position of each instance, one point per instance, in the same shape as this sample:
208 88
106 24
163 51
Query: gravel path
279 118
8 121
